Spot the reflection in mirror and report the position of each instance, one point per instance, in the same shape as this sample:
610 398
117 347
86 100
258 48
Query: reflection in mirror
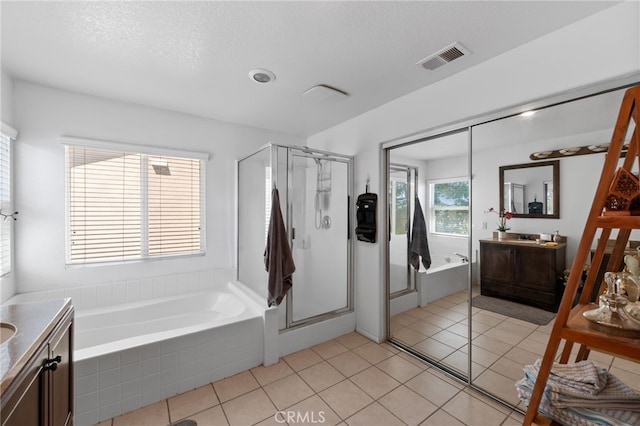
429 308
506 337
402 192
531 189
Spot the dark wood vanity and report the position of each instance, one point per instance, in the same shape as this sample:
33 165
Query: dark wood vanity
523 271
37 364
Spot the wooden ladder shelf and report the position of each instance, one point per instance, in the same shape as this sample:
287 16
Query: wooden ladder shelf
570 324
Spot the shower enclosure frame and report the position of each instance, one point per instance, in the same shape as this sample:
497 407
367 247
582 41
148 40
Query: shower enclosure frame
276 164
412 183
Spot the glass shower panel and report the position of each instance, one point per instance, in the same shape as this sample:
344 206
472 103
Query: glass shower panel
320 211
254 203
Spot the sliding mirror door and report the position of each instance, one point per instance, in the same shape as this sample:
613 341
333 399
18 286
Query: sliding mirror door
507 336
428 307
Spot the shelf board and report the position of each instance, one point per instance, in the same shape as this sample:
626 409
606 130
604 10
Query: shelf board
580 330
615 221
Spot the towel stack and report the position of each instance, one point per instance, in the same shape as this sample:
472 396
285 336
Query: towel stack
582 394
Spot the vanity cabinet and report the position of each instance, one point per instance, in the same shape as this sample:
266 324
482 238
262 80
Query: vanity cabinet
523 272
41 393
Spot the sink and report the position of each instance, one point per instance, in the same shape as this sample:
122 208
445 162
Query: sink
6 331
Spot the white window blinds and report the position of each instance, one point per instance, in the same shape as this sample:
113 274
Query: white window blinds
125 205
5 204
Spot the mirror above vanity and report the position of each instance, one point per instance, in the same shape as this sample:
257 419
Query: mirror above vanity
531 189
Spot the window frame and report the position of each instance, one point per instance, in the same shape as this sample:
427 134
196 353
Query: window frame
9 135
145 153
432 208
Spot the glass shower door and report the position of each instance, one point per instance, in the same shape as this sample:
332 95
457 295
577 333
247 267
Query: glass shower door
320 227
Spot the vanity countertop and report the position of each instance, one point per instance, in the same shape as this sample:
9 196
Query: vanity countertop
525 243
33 322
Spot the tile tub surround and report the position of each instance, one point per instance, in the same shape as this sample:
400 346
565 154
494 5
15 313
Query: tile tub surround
110 385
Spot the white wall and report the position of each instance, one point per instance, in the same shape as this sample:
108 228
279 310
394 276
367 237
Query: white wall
43 115
596 49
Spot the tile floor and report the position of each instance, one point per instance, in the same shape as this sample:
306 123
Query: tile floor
500 345
353 381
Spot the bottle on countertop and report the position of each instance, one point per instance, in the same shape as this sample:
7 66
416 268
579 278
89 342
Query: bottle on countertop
556 237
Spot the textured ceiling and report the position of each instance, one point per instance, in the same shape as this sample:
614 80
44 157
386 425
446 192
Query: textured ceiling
194 57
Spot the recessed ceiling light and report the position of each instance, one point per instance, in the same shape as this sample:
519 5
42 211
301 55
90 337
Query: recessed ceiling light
260 75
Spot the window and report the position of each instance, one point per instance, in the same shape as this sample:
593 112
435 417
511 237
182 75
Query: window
127 205
6 202
449 207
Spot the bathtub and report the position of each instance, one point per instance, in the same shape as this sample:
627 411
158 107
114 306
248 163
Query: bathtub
134 354
447 275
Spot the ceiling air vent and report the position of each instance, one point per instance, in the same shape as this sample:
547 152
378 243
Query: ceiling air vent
444 56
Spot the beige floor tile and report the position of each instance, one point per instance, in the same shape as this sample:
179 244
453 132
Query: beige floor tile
440 321
152 415
483 356
302 359
374 415
459 361
212 417
498 385
434 348
352 340
508 368
248 409
321 376
492 345
424 327
408 336
349 363
270 374
403 319
461 330
373 352
450 339
234 386
329 349
485 317
345 398
418 313
441 418
515 419
432 388
407 405
507 337
521 356
414 360
286 392
375 382
188 403
399 368
453 315
312 410
472 411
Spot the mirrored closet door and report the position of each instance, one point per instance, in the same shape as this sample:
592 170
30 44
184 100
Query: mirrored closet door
428 201
485 306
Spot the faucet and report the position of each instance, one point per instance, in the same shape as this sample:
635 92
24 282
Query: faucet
464 258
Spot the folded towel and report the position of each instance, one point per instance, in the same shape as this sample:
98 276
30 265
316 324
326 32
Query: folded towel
419 245
582 394
278 260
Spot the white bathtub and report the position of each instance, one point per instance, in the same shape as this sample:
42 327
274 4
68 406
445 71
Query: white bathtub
442 279
134 354
116 328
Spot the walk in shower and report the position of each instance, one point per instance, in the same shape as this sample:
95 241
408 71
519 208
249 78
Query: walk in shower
315 195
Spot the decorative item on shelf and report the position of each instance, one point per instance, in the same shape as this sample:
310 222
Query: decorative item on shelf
623 193
503 216
614 314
